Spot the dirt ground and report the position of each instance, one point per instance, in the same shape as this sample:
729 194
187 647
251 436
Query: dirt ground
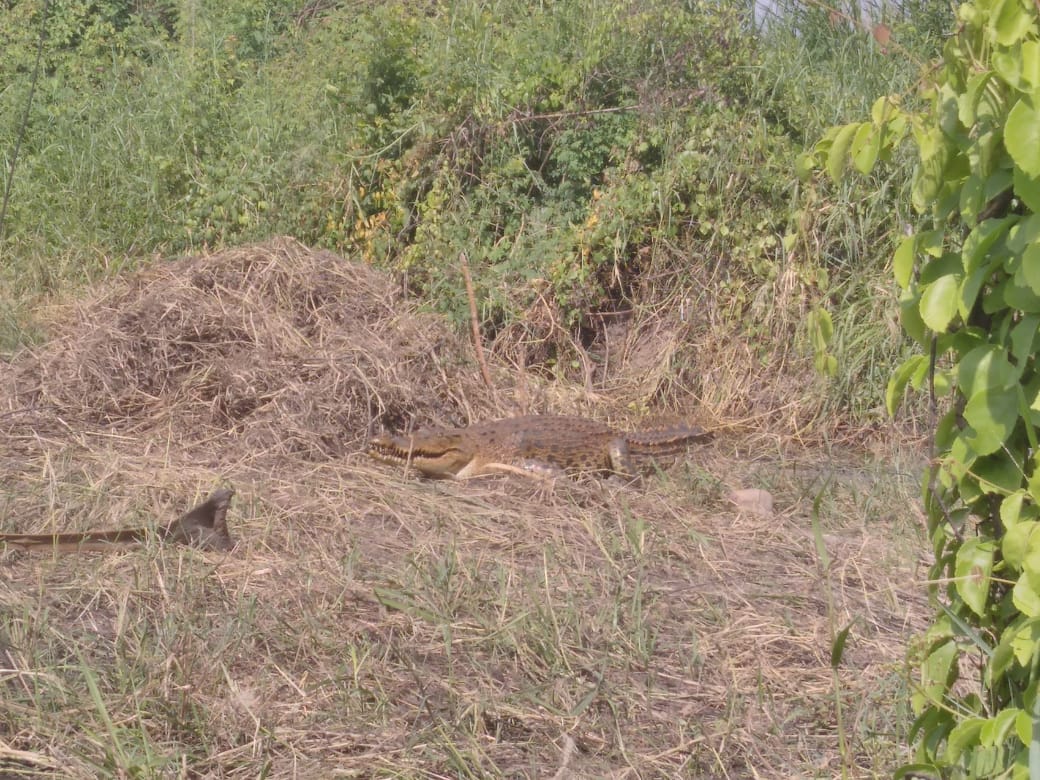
370 623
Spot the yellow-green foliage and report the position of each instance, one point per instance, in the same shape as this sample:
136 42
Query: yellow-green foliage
970 282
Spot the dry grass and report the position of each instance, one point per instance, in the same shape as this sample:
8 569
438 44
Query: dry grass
675 342
372 624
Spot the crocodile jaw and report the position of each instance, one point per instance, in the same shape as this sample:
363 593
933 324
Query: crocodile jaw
440 456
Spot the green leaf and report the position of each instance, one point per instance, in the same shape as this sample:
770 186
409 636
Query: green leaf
993 297
947 111
936 671
910 316
998 472
961 457
1030 57
1018 541
866 146
1027 188
999 180
884 109
839 152
943 383
1023 335
946 431
1026 597
1009 22
804 165
945 265
917 771
1022 134
1008 67
991 109
939 302
931 242
1018 293
1024 727
984 367
973 571
990 170
1026 232
825 365
903 261
1030 420
981 238
894 130
899 379
838 646
965 735
821 328
1003 655
929 178
920 375
403 602
969 99
997 728
1033 483
1014 511
1034 744
972 286
971 202
992 414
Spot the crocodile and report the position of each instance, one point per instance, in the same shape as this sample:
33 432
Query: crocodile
205 527
539 445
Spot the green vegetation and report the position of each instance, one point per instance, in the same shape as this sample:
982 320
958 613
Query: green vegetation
589 158
970 280
574 147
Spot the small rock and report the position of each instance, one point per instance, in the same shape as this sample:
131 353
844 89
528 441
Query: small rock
753 500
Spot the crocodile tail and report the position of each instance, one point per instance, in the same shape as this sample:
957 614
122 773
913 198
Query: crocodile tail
666 441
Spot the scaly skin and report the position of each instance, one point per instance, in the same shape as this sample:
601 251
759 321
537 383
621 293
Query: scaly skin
534 443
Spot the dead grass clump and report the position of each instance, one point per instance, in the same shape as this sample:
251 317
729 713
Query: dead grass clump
743 362
287 350
672 343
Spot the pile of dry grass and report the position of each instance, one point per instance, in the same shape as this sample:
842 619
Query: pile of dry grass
673 343
272 348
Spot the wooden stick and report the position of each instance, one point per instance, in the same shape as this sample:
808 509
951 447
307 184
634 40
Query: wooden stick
474 323
205 527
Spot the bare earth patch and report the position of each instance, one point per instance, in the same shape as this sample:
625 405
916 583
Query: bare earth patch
373 624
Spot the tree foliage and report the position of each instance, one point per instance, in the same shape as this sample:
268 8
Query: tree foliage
970 281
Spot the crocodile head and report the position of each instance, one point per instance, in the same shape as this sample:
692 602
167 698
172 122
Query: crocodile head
434 453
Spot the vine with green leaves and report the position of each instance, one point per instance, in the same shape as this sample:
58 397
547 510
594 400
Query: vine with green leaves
970 296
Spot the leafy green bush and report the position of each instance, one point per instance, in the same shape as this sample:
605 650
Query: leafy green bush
970 280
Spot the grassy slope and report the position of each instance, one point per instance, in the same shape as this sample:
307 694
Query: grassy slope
379 625
373 624
391 627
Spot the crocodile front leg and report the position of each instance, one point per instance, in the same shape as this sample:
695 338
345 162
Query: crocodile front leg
621 459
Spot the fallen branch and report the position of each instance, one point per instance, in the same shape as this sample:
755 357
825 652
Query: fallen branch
204 527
